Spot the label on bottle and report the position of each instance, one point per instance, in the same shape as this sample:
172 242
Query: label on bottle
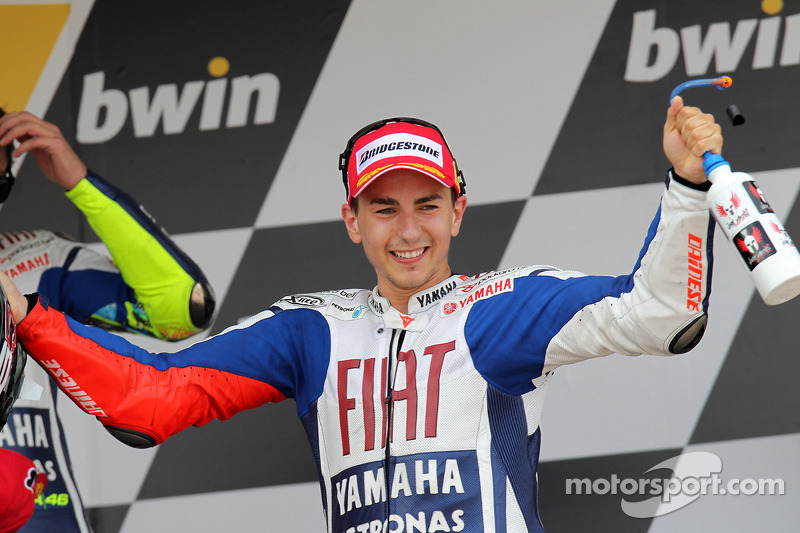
753 245
744 215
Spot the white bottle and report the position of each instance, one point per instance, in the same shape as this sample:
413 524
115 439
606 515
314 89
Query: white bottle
756 233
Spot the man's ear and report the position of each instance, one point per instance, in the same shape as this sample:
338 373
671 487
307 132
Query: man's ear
458 215
351 222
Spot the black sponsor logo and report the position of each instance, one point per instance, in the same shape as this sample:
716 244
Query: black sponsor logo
434 295
306 300
754 245
376 306
755 193
355 311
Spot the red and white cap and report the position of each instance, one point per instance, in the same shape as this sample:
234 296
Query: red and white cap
400 145
20 484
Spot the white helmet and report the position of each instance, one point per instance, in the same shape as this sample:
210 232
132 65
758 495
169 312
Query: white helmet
12 360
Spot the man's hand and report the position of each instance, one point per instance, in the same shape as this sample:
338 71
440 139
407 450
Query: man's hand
44 140
688 134
19 304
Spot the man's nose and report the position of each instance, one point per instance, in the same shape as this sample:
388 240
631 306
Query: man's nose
408 226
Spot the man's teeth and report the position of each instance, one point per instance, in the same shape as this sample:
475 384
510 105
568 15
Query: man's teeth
409 255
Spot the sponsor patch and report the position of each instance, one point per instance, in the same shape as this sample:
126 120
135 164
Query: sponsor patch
476 292
376 305
399 144
346 312
306 300
754 245
427 298
757 196
347 294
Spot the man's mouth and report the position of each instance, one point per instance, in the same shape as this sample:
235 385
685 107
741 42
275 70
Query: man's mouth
408 254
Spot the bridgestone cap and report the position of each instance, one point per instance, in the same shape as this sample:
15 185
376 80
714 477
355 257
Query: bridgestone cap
400 145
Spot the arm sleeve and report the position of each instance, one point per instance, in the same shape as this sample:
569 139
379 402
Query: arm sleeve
163 278
661 306
144 397
553 317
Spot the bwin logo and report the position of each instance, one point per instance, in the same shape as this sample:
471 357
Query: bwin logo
173 108
719 43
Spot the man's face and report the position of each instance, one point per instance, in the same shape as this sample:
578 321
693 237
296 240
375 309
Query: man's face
405 221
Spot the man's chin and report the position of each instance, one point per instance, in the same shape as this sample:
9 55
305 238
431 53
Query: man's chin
413 283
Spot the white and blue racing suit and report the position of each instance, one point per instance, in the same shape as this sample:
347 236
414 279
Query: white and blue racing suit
419 421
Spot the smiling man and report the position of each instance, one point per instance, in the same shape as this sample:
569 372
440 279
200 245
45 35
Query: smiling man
405 226
422 397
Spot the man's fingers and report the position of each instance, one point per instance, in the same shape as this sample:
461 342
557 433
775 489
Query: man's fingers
675 106
19 304
17 125
708 139
35 143
30 140
698 128
25 132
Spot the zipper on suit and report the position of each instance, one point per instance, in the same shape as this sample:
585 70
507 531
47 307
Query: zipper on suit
395 343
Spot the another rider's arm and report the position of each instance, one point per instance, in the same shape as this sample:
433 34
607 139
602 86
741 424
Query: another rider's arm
175 296
177 299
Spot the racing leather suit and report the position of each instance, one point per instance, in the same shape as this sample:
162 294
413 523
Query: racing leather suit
455 386
146 289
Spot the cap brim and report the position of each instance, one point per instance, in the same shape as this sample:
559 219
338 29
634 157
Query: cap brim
399 166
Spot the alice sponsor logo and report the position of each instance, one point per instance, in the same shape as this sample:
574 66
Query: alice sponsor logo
654 50
307 300
104 110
